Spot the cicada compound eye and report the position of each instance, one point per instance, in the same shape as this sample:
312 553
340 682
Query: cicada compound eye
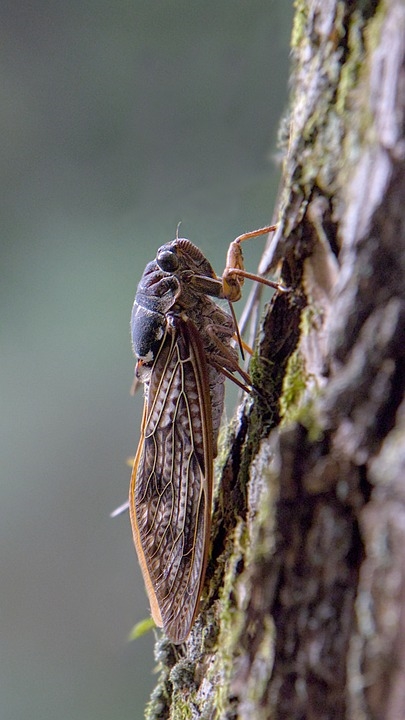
167 259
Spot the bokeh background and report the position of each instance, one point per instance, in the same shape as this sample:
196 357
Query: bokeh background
117 121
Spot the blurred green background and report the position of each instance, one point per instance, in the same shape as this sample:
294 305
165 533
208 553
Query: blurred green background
117 121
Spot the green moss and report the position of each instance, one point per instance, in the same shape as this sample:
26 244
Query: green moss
307 416
296 378
261 371
293 406
374 28
299 22
181 709
295 382
309 319
350 69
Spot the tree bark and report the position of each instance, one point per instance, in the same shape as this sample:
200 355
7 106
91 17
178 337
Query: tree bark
304 610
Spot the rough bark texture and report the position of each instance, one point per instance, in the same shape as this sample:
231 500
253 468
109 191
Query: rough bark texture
304 611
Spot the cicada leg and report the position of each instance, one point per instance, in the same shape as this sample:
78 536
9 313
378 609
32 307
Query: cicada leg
224 360
234 274
245 347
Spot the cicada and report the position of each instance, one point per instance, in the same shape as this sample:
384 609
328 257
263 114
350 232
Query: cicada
184 345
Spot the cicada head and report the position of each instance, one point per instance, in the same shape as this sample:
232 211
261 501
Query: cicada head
181 256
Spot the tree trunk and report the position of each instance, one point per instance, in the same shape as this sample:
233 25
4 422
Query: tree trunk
304 609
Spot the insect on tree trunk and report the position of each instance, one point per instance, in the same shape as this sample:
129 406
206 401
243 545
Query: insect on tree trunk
303 612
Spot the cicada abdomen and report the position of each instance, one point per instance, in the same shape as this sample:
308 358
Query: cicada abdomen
183 343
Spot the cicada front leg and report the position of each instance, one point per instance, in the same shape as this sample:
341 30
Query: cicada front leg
234 274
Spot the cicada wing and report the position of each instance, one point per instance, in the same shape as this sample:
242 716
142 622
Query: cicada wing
138 462
171 486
